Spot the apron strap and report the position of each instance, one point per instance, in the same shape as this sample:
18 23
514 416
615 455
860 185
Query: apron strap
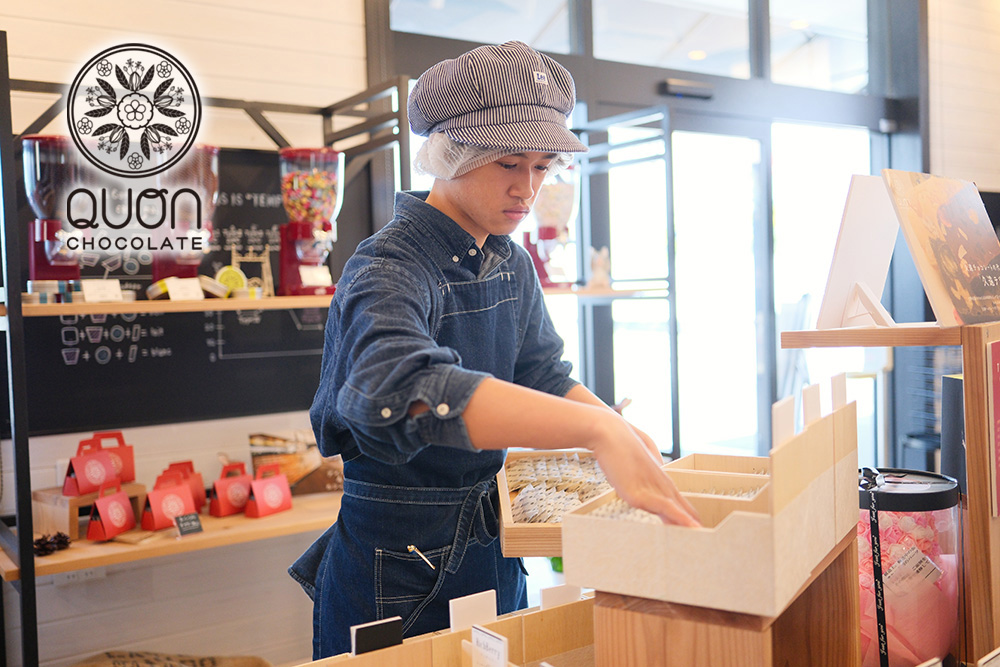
471 510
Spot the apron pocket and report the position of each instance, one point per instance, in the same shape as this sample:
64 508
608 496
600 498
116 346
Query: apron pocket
405 584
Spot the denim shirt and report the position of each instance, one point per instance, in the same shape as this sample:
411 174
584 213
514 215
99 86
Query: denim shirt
422 314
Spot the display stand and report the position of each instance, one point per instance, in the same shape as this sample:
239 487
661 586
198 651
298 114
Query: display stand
979 613
819 628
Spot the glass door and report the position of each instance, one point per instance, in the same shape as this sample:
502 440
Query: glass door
717 198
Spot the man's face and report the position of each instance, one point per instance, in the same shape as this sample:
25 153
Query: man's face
494 198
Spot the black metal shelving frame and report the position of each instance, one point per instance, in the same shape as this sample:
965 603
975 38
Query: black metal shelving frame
381 111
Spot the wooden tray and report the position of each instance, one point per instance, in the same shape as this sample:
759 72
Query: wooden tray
528 539
53 512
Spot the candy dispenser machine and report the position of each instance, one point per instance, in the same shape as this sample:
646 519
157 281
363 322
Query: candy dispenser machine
555 209
50 173
189 232
312 189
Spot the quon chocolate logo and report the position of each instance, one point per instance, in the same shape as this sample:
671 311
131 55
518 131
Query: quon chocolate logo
133 110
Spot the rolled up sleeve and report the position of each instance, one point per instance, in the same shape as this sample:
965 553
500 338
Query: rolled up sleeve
382 360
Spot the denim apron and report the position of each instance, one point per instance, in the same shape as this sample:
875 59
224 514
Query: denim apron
454 528
443 501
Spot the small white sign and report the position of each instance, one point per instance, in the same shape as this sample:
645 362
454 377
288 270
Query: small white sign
911 572
315 276
474 609
488 648
184 289
101 291
557 595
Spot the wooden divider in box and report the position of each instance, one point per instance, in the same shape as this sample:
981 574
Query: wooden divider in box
715 463
52 512
518 538
532 635
753 553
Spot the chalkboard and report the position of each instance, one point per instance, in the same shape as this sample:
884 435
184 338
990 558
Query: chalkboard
88 373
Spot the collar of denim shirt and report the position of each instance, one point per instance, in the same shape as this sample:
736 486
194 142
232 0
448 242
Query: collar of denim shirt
455 245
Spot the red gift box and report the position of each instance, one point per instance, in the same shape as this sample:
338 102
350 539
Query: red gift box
193 479
122 455
110 515
269 492
88 470
170 497
231 491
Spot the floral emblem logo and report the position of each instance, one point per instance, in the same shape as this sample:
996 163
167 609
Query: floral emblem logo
116 514
238 494
172 505
272 496
94 472
133 110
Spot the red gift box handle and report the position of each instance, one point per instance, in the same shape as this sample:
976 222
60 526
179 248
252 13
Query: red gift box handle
115 484
186 467
101 436
88 446
173 476
272 468
233 470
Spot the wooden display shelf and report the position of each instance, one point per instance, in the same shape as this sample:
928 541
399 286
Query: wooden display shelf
918 334
272 303
167 306
310 512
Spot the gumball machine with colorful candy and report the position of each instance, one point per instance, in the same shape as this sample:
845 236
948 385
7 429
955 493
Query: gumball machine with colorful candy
193 188
312 188
555 209
51 170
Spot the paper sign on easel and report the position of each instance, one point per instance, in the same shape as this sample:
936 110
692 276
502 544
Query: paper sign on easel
860 264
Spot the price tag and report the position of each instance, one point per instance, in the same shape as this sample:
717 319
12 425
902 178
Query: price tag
184 289
187 524
488 648
911 572
101 291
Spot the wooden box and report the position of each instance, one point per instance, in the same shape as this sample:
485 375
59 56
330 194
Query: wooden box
53 512
529 539
756 548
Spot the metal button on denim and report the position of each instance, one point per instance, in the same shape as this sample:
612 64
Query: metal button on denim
443 409
386 412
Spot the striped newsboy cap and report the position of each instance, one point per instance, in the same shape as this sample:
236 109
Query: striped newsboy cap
506 97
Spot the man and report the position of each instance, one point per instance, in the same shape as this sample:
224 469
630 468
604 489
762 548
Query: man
440 354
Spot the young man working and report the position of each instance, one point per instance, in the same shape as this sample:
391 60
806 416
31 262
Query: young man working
440 354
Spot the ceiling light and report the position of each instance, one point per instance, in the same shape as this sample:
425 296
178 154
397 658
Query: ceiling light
697 55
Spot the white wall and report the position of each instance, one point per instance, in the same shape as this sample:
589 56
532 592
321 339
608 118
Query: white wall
233 600
964 53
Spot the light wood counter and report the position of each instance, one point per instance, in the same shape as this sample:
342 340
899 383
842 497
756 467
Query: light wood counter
309 512
901 335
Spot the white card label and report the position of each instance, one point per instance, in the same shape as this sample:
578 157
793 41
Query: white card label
101 291
184 289
475 609
488 648
911 572
315 276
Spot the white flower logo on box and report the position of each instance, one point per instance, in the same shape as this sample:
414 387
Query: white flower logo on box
116 462
172 505
94 472
272 496
238 494
133 110
116 514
